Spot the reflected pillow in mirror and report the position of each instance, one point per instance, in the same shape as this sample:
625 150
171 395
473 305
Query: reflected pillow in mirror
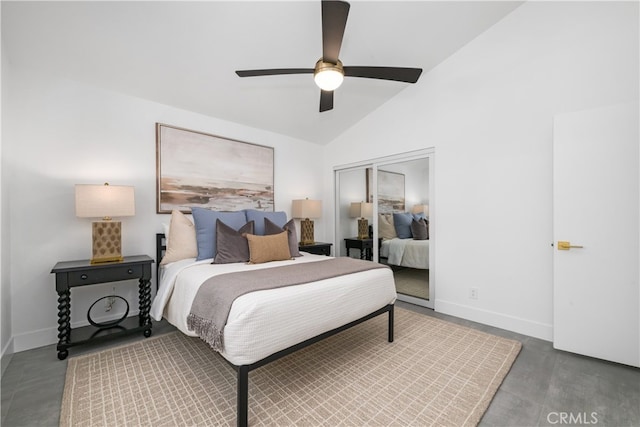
420 229
386 229
402 224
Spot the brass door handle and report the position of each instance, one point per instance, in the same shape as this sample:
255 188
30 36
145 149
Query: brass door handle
565 246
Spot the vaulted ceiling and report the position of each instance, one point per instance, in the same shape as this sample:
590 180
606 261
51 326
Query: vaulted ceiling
184 54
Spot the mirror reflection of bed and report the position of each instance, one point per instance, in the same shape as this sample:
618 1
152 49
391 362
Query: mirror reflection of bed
412 276
403 225
408 256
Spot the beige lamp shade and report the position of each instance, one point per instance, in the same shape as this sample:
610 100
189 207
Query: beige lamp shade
361 210
420 209
105 201
306 208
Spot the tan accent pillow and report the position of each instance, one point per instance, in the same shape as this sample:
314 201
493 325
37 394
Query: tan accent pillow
386 229
274 247
181 239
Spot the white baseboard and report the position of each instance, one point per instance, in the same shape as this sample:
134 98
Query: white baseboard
7 355
499 320
48 336
34 339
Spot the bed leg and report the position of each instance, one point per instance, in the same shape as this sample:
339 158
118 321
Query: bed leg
391 324
242 409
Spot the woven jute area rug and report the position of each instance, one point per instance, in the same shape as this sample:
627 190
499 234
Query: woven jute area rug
434 373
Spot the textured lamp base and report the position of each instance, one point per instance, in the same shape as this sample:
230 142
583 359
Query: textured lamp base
363 228
107 242
306 232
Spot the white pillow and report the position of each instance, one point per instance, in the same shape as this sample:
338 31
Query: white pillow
181 239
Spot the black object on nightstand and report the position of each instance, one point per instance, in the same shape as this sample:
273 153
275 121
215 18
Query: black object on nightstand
365 246
317 248
71 274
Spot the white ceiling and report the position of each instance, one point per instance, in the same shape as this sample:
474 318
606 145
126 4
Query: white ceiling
184 54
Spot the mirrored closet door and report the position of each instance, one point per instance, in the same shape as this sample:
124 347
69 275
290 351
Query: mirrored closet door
384 213
353 215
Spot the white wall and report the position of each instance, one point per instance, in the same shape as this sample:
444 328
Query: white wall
488 112
62 133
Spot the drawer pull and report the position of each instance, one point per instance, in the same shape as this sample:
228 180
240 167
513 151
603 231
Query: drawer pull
84 277
130 271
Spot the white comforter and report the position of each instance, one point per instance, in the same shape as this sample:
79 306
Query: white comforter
264 322
406 252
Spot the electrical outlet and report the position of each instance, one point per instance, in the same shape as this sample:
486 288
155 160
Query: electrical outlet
473 293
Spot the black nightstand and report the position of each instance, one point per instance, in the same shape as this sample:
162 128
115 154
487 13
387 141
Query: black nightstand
365 246
71 274
317 248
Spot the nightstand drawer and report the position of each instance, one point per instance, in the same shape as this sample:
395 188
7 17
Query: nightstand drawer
103 275
317 248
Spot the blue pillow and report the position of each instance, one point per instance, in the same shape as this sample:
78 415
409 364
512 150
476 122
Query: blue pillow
402 224
205 222
278 218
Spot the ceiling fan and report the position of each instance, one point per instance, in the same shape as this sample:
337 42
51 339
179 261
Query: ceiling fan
329 71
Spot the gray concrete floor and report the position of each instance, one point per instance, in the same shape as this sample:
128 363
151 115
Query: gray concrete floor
544 386
548 387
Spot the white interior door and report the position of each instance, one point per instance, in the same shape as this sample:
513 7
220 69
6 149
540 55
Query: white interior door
596 206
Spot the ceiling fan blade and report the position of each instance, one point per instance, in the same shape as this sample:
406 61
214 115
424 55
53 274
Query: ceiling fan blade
274 72
334 21
398 74
326 100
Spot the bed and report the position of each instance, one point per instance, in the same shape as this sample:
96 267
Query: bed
406 252
265 325
404 239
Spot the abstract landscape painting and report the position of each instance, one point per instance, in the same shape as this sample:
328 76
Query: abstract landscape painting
198 169
390 191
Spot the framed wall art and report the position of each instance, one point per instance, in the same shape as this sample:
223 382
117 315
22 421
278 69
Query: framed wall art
390 191
195 169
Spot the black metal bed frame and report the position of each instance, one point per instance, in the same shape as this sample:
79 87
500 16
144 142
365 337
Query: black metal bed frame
242 400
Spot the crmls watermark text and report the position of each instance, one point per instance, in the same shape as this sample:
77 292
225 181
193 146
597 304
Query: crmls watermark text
580 418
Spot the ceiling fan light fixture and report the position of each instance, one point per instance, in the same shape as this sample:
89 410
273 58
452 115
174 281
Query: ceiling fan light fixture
328 76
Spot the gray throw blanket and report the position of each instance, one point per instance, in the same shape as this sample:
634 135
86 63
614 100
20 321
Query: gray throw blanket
211 306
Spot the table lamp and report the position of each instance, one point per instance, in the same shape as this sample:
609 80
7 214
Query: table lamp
362 211
424 209
306 209
105 201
